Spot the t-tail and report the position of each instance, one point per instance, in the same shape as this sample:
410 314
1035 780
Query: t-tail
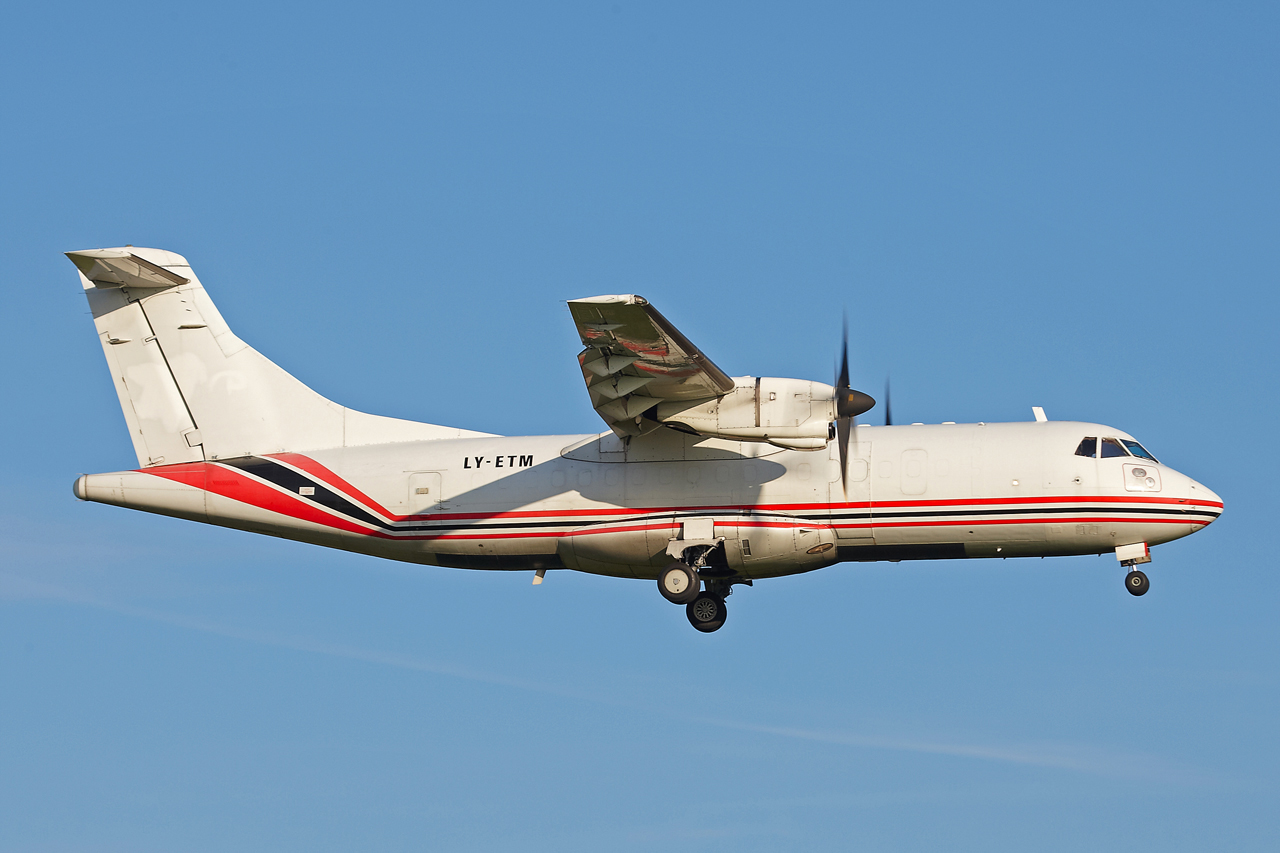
192 391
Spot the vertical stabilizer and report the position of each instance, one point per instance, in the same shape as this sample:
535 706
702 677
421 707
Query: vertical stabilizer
190 389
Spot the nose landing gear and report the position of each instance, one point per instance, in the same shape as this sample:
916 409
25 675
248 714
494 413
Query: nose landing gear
1130 556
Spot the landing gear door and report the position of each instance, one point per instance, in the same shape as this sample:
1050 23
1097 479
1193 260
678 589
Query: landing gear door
851 512
425 492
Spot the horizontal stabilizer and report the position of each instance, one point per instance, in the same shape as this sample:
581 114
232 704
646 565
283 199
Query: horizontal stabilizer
123 268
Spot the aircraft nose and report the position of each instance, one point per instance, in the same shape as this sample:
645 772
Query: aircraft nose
1205 499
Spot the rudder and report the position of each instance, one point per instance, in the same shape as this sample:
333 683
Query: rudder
190 389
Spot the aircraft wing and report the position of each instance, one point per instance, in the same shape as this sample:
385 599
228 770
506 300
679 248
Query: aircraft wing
635 359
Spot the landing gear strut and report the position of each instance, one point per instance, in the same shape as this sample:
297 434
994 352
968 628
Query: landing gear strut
1136 582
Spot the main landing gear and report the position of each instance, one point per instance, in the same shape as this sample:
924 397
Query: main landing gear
681 583
707 612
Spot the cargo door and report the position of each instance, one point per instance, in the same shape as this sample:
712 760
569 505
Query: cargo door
425 493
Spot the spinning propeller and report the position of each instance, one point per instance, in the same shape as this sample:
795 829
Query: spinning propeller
849 404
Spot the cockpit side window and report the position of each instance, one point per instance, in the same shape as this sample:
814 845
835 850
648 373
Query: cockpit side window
1088 447
1111 447
1138 450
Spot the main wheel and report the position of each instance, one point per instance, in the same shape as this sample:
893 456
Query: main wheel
707 612
1136 582
679 584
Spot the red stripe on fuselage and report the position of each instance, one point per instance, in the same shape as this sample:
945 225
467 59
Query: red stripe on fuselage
234 484
1051 520
324 475
808 507
238 486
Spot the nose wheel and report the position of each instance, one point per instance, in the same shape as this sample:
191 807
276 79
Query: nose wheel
1131 556
1136 582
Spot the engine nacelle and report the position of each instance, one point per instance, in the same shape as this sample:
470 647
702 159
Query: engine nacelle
791 413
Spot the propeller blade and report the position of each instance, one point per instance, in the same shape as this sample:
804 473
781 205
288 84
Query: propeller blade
888 411
842 378
849 404
843 428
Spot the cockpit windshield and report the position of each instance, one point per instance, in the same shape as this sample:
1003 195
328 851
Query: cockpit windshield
1138 450
1088 447
1112 448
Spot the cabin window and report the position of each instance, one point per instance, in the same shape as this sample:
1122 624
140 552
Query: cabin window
1138 450
1111 447
1088 447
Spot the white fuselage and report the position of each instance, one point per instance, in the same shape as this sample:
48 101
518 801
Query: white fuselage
593 504
704 480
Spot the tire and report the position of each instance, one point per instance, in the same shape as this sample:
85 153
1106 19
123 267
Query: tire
707 612
1136 582
679 584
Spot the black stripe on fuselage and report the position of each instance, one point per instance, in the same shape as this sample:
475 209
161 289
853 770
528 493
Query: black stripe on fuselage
292 481
835 517
1067 510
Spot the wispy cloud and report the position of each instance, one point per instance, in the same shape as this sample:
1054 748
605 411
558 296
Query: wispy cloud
17 587
1080 758
1059 756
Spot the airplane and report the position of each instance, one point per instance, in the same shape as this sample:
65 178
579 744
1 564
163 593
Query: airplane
702 481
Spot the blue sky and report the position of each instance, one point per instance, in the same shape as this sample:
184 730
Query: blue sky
1018 205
